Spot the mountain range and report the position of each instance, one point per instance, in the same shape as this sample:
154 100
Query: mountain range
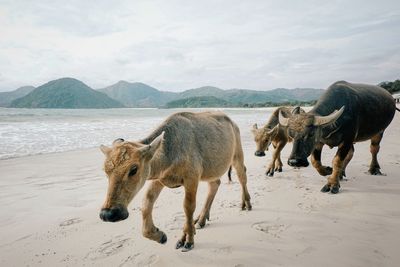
72 93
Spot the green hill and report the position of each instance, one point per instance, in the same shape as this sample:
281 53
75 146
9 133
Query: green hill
198 102
7 97
65 93
138 94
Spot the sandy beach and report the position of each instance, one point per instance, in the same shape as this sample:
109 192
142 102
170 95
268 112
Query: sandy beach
51 204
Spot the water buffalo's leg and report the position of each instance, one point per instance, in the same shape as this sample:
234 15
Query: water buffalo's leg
374 167
275 156
316 161
346 162
148 229
205 213
333 184
189 205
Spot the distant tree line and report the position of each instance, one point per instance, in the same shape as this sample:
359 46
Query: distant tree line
279 104
392 87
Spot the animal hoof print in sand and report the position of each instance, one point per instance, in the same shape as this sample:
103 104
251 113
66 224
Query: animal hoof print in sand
187 247
326 188
163 239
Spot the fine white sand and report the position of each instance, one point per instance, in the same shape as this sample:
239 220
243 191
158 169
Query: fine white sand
50 205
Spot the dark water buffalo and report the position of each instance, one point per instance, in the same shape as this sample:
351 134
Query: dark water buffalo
345 114
271 133
185 149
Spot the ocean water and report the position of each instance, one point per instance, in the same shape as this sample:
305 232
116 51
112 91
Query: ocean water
26 132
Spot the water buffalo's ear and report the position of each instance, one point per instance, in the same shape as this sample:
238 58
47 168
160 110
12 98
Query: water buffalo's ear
282 120
296 110
149 150
106 150
331 118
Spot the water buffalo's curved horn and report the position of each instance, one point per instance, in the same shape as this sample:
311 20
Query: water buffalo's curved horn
322 120
282 120
296 110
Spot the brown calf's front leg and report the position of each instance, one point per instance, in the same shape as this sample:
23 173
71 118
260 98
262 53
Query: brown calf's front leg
374 167
346 162
148 228
189 205
333 184
316 161
276 163
200 222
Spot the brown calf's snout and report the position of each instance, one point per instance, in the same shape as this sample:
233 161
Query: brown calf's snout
259 153
298 162
114 214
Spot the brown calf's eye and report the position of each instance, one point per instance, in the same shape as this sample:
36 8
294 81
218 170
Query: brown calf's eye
133 170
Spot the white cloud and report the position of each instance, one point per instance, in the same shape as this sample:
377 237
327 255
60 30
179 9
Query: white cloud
175 45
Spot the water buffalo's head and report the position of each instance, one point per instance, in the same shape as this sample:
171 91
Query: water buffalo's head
305 131
127 167
263 138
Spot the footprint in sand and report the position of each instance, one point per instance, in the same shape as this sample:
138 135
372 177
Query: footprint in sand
149 261
270 228
177 221
107 249
70 222
223 250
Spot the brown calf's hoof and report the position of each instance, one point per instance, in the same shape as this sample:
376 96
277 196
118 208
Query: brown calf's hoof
375 171
187 247
163 239
335 189
246 205
179 244
279 169
269 173
326 188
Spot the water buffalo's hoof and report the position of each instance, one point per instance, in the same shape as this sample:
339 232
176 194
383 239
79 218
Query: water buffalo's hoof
187 247
335 189
375 171
200 224
179 244
326 188
270 174
163 239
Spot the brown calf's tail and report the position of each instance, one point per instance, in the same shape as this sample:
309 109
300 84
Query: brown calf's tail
229 173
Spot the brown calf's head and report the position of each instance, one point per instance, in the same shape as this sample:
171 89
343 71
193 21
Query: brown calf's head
263 138
305 130
127 168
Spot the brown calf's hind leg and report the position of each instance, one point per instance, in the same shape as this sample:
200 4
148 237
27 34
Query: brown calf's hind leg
276 158
189 205
374 167
333 184
316 161
148 229
200 222
241 173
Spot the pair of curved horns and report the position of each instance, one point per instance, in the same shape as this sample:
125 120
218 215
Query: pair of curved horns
318 120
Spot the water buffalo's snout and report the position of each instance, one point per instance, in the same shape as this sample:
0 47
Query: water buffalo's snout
298 162
114 214
259 153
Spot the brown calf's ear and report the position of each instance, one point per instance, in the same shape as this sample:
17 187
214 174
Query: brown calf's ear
254 128
106 150
149 150
274 130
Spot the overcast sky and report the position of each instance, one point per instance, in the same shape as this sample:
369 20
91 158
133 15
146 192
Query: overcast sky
177 45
